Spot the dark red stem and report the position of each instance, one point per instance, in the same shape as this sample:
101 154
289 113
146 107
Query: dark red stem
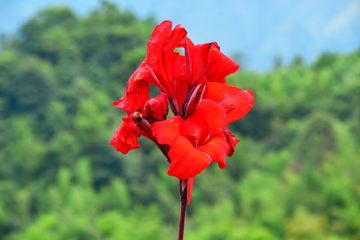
183 204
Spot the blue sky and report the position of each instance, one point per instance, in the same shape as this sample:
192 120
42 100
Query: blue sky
259 29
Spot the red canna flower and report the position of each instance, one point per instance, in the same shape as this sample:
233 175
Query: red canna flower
194 85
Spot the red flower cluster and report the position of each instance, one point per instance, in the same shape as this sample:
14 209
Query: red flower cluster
194 86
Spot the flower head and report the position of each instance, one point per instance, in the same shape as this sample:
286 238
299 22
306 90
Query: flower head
194 85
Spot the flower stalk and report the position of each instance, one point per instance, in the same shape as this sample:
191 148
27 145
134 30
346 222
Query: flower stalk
183 204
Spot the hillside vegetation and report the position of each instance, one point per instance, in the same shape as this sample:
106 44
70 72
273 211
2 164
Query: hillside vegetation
294 175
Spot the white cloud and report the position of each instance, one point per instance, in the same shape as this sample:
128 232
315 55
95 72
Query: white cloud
343 18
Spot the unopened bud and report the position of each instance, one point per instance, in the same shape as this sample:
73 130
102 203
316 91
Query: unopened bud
195 99
232 141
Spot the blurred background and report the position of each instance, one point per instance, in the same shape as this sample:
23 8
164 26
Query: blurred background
294 175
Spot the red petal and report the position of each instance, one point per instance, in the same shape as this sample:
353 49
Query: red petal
181 86
155 55
242 100
215 91
189 43
217 147
186 161
193 129
207 118
161 58
216 152
157 40
143 93
157 107
133 101
128 103
219 65
173 67
166 131
213 115
124 139
176 36
199 61
137 91
140 74
189 189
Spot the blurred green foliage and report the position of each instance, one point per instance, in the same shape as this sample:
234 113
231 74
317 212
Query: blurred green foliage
294 175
